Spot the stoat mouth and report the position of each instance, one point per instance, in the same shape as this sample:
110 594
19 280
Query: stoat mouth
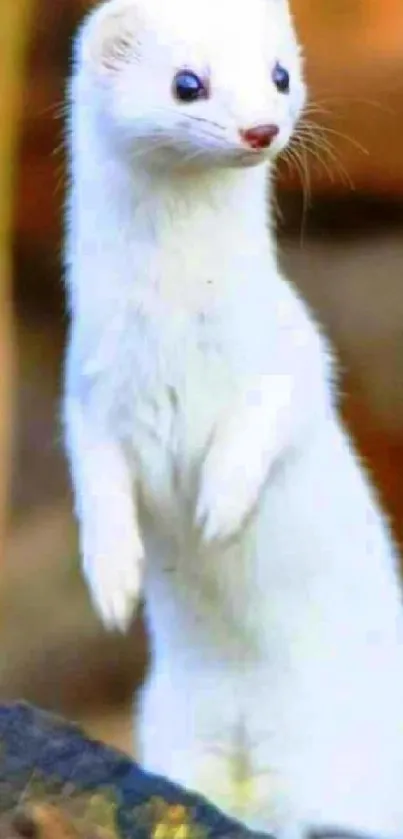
252 157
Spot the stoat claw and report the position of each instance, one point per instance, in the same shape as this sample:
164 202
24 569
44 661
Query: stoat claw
114 580
227 496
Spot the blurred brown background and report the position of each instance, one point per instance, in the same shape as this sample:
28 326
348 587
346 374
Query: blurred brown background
345 251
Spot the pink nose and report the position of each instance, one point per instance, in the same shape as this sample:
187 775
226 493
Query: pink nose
261 136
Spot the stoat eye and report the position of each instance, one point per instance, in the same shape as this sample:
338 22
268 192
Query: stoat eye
188 87
281 78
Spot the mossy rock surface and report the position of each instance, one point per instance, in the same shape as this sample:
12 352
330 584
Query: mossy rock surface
56 783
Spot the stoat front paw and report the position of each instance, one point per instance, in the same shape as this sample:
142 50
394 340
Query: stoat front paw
228 493
114 570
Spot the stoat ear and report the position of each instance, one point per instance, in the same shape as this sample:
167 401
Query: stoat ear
111 36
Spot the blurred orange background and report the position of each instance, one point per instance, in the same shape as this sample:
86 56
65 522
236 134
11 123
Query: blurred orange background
345 252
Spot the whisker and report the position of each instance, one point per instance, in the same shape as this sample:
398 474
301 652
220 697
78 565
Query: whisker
306 192
355 100
322 143
208 121
192 156
59 149
296 156
317 137
314 108
190 117
59 109
325 129
146 146
317 145
291 155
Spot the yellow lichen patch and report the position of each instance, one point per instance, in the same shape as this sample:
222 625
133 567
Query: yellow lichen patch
62 812
100 812
44 821
174 825
234 786
169 821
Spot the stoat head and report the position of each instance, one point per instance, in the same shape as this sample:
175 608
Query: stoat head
187 83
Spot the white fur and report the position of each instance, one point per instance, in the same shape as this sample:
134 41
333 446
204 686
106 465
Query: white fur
202 435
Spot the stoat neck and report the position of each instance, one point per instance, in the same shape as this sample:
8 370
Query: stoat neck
180 219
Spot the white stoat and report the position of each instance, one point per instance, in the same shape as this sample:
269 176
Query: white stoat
209 465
